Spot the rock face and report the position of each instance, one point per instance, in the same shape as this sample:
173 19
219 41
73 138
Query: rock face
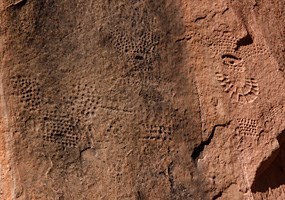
142 99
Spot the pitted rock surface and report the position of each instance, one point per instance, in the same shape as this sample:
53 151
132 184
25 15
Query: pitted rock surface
142 99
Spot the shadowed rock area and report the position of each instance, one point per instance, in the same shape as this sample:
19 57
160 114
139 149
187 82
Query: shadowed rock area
142 100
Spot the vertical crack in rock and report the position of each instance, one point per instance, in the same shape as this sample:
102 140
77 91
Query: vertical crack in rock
200 148
217 196
170 176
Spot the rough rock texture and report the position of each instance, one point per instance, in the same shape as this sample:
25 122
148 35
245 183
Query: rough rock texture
142 99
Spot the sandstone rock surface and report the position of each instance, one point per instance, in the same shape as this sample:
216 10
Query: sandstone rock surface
142 99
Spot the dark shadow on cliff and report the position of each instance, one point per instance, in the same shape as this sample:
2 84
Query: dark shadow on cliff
271 173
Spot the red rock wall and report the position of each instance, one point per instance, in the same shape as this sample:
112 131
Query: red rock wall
142 99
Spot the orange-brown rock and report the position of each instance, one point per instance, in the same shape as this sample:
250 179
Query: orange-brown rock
142 100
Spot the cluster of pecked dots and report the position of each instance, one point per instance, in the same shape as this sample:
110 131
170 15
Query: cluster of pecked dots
247 127
121 42
223 44
61 129
253 50
157 131
84 100
28 92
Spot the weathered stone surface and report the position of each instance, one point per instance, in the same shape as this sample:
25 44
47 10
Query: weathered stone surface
142 99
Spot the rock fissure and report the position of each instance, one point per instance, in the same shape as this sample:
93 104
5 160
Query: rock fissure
200 148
